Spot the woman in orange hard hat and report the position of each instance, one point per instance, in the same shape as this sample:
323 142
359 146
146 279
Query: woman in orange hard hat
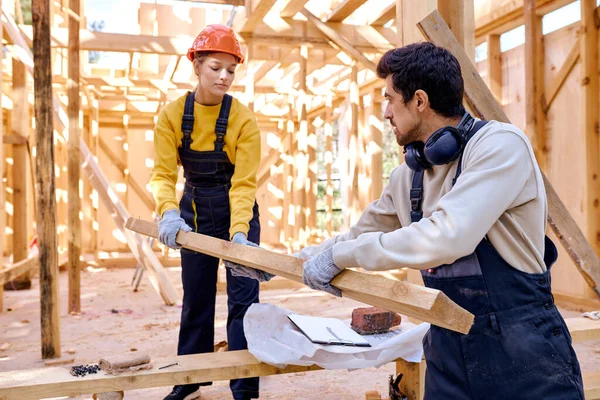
216 140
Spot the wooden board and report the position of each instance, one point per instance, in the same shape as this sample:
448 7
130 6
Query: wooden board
420 302
583 329
39 383
482 101
11 272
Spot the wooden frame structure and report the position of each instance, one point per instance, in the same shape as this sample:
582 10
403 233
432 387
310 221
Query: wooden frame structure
310 79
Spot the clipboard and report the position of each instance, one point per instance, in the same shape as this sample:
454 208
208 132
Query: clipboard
328 331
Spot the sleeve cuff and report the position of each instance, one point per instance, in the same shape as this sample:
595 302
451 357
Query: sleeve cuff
343 254
244 228
168 206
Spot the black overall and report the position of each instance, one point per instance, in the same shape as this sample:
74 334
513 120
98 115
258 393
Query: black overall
519 346
205 207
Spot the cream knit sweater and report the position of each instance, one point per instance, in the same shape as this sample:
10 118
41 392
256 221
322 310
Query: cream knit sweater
500 193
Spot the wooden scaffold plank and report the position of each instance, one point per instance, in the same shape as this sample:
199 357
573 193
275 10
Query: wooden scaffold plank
412 300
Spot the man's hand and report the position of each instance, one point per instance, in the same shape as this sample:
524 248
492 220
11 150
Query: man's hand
242 270
319 271
169 226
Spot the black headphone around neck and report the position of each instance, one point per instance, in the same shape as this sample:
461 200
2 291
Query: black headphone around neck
443 146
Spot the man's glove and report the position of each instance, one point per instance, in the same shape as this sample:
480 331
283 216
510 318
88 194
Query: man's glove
169 226
242 270
319 271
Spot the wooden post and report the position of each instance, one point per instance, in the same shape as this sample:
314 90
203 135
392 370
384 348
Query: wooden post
412 12
590 88
413 379
311 181
44 180
74 164
534 82
459 14
494 60
376 126
2 215
288 200
328 166
20 128
353 148
301 161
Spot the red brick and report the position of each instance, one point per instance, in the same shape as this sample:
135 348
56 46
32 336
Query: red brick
370 320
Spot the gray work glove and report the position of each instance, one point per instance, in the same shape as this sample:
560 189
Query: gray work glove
319 271
242 270
169 226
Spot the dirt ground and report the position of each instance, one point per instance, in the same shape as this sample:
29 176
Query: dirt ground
114 320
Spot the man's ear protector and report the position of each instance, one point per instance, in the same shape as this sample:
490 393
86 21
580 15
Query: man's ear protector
442 147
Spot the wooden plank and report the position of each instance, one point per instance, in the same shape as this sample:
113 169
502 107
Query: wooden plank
482 101
44 180
562 75
344 10
591 385
591 118
339 40
39 383
413 379
534 83
427 304
74 164
458 14
254 14
21 126
375 124
18 269
583 329
387 14
144 195
14 139
494 60
511 15
292 8
329 166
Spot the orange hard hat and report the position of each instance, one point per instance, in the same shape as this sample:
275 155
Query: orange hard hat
217 38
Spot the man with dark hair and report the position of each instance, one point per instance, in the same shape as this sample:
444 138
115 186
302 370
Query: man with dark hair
468 209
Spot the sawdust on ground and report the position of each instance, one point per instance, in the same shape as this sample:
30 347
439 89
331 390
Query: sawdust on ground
114 320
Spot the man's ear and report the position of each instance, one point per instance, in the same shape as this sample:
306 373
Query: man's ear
421 100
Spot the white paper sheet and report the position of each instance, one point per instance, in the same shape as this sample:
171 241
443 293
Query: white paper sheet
273 339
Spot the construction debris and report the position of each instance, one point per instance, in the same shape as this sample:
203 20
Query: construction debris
83 370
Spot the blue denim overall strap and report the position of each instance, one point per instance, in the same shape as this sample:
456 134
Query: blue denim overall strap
519 346
206 208
205 168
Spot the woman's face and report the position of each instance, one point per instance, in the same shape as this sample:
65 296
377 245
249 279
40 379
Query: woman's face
216 73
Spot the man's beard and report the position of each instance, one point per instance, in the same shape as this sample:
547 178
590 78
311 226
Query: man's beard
412 136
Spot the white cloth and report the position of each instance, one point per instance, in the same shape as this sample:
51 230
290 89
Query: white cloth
274 340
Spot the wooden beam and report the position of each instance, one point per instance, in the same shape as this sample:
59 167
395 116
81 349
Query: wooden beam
292 8
386 15
483 103
339 40
534 83
235 3
458 14
259 9
511 15
21 127
583 329
562 75
144 195
18 269
291 33
591 118
44 180
329 166
344 10
74 165
427 304
58 382
494 60
15 139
